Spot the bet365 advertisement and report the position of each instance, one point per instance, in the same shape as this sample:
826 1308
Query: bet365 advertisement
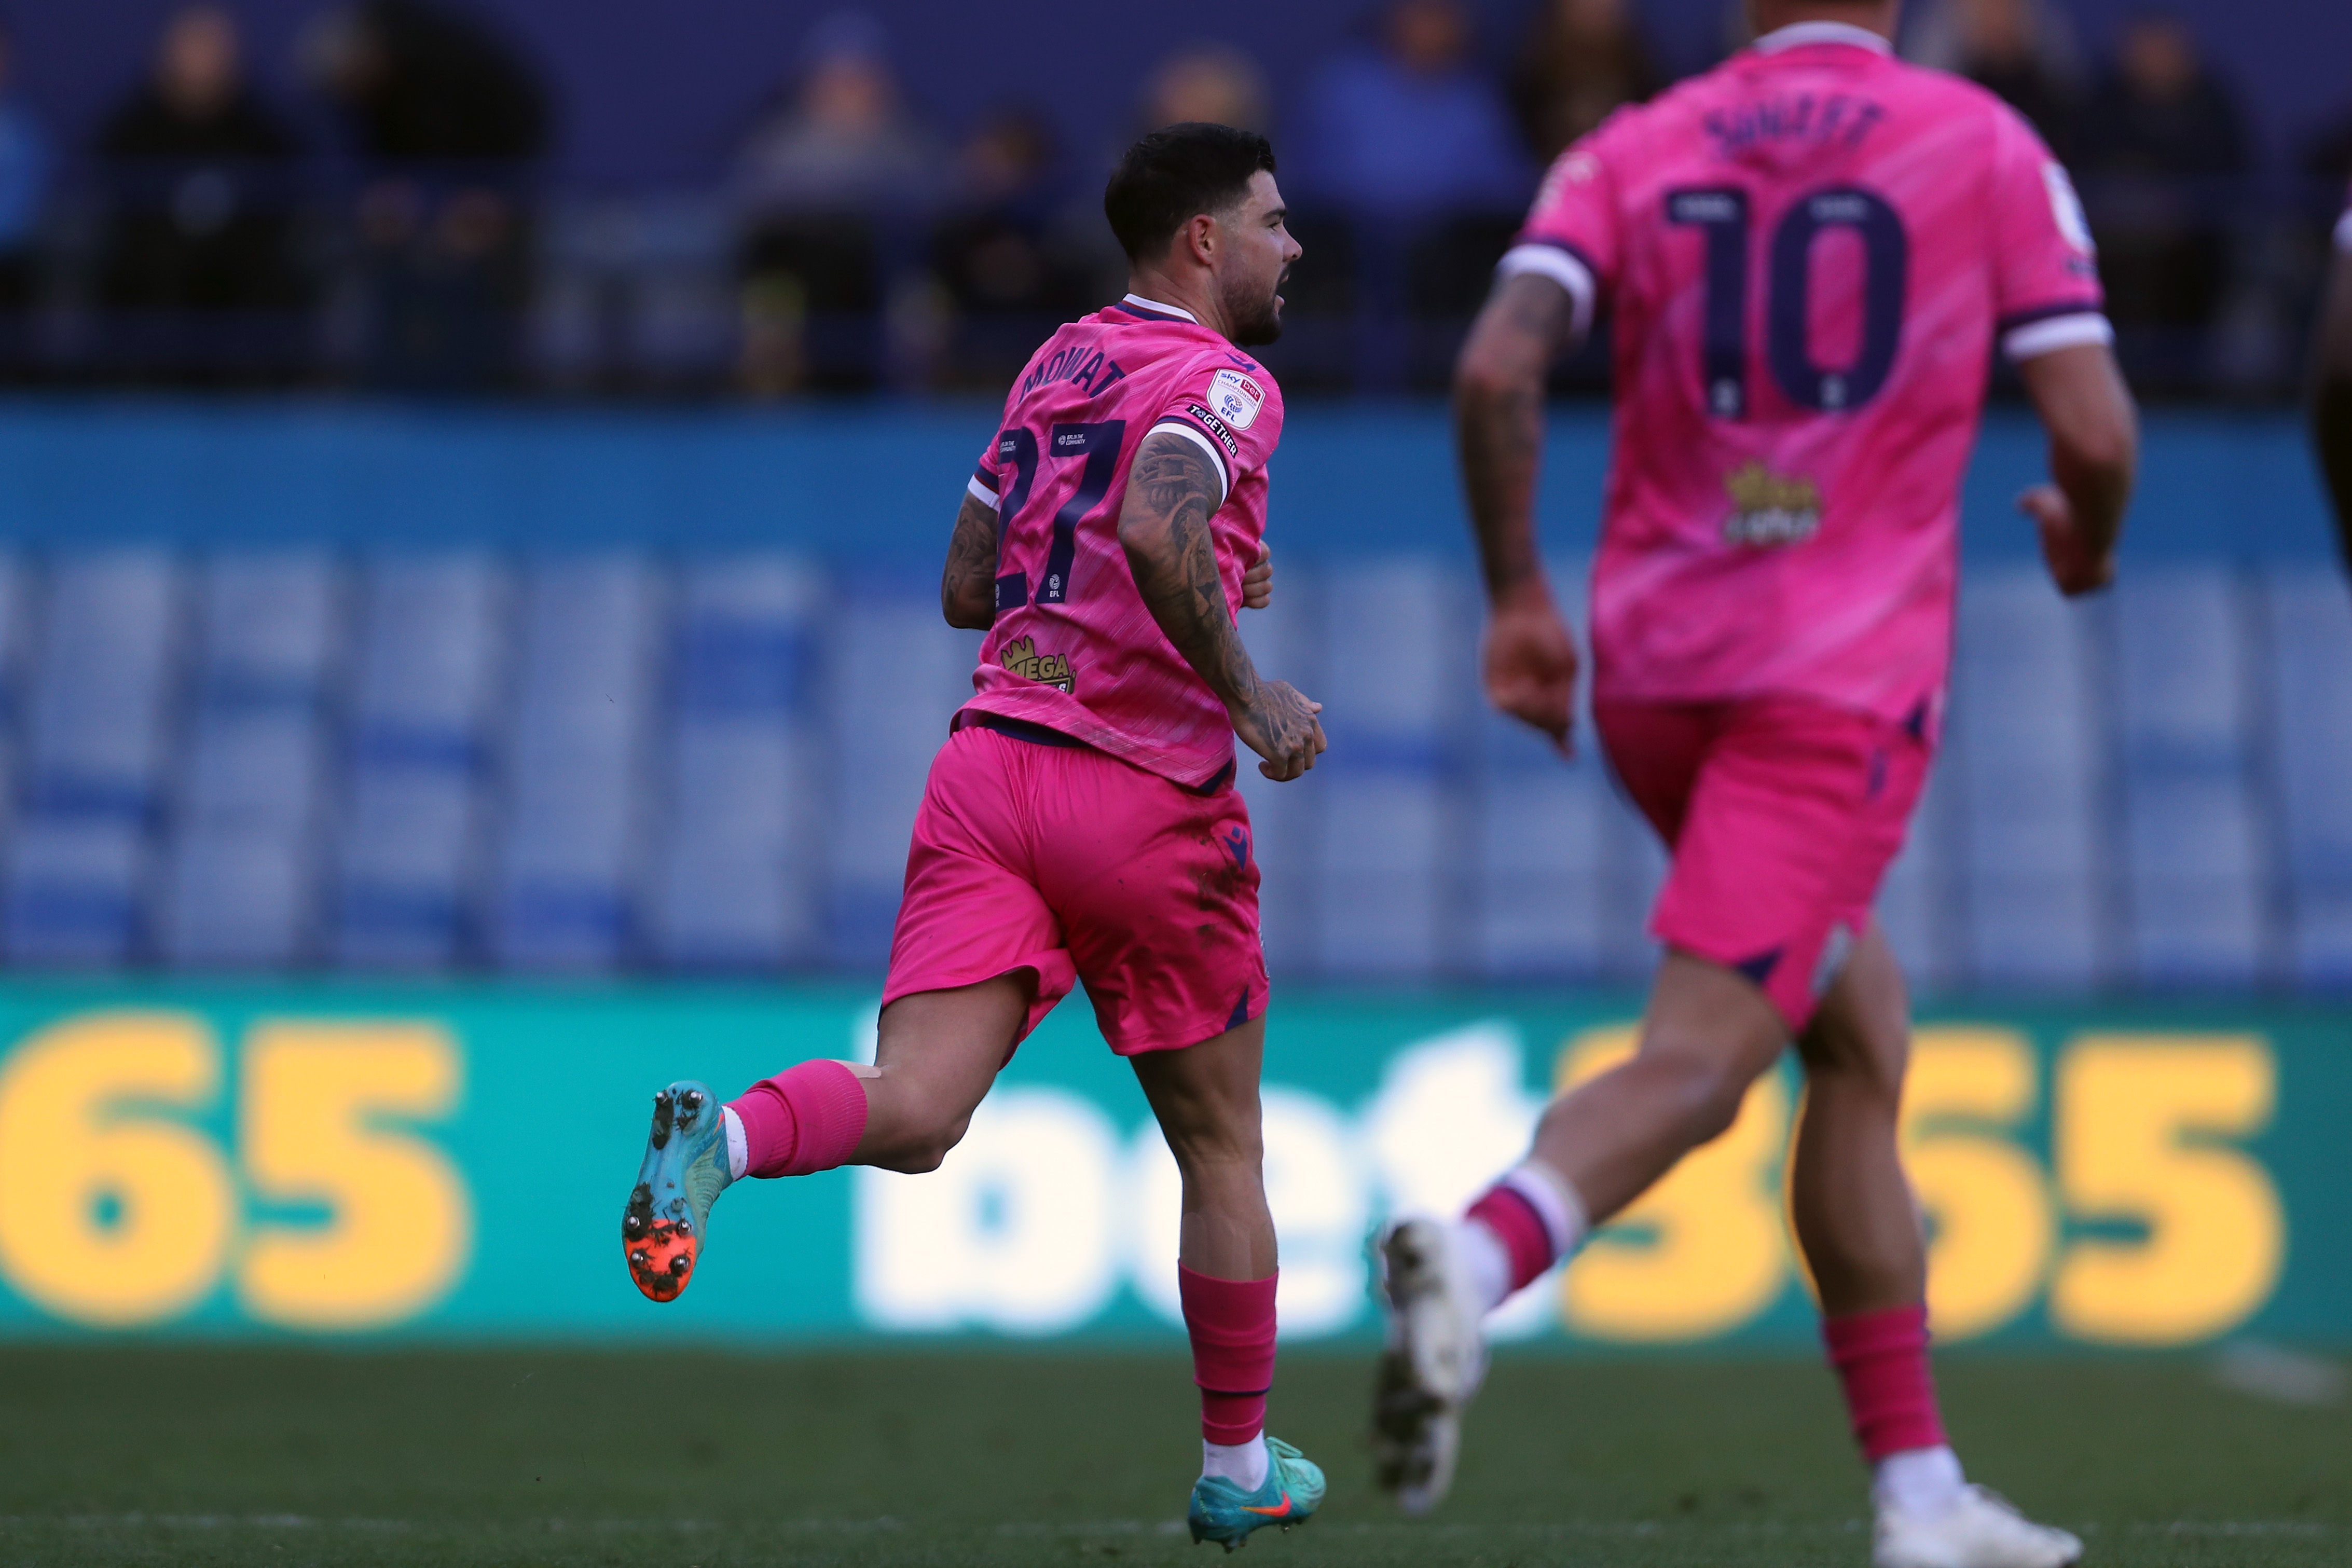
335 1162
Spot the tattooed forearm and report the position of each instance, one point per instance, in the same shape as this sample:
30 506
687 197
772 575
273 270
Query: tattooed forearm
1171 491
968 586
1498 391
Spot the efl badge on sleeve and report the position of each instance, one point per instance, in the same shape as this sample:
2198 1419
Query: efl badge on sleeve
1235 399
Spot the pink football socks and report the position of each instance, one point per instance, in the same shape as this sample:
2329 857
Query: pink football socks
804 1119
1231 1322
1881 1361
1523 1225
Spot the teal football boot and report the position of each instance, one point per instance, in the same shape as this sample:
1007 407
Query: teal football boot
1224 1513
684 1170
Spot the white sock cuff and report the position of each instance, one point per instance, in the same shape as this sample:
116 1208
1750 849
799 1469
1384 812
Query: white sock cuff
738 1148
1550 1194
1243 1463
1922 1482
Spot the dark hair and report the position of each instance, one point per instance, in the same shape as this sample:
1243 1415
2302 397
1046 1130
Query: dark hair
1174 174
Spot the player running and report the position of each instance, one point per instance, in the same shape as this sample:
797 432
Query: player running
1081 823
1812 252
2331 392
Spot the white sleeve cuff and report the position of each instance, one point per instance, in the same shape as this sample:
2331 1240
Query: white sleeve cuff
2038 338
1193 434
1551 261
981 492
2343 232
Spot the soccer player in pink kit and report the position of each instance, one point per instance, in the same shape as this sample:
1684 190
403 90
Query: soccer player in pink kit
1811 253
1081 821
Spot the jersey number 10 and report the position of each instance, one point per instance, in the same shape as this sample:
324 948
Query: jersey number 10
1788 299
1098 443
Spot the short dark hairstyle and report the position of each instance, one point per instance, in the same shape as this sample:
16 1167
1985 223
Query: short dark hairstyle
1174 174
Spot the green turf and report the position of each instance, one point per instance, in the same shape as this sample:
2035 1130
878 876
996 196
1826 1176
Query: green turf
287 1457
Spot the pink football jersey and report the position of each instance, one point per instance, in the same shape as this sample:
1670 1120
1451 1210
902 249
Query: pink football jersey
1809 252
1074 648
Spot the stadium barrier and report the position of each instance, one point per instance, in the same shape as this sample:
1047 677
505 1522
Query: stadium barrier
450 1163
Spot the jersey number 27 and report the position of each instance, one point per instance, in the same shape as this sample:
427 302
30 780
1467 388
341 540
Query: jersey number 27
1723 216
1016 448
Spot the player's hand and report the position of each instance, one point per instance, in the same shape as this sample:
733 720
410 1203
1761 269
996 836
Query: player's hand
1280 726
1257 583
2073 566
1531 666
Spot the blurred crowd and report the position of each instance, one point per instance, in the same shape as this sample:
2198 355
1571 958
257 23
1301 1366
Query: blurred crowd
400 226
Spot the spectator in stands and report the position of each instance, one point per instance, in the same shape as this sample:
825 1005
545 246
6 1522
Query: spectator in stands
2159 140
2017 48
450 120
1410 127
25 166
997 252
842 174
199 169
1583 59
1212 82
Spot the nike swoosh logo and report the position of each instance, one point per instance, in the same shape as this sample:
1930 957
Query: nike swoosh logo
1280 1511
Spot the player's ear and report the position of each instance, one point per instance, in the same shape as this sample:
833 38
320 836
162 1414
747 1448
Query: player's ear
1201 240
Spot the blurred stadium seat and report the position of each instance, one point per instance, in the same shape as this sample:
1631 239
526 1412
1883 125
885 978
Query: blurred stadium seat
93 778
241 867
2025 760
734 885
430 669
616 760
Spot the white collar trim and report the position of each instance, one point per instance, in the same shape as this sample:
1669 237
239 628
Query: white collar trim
1796 35
1164 310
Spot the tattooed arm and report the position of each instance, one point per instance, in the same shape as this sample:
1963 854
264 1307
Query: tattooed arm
968 586
1164 525
1498 428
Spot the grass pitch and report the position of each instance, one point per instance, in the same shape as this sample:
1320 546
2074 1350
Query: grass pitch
290 1457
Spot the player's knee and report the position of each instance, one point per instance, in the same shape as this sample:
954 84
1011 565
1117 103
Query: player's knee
1709 1093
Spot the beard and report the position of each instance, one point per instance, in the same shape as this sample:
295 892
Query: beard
1256 318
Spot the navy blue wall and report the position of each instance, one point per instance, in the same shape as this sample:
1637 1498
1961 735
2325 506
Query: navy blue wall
662 93
881 483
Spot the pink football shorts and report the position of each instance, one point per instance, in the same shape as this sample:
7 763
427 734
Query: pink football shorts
1782 815
1036 852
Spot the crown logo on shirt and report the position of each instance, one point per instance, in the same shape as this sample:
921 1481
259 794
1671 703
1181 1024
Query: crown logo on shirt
1770 509
1022 658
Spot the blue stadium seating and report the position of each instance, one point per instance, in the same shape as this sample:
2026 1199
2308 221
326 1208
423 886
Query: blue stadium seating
612 761
241 867
567 863
1390 873
429 671
895 675
2192 866
2308 689
735 883
80 857
2025 744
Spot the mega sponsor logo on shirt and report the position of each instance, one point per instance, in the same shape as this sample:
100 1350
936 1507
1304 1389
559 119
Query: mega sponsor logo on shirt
1769 509
1236 398
1022 658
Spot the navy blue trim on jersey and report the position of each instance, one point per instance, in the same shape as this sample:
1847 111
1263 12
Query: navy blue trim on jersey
1036 734
1140 313
2017 319
1216 781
